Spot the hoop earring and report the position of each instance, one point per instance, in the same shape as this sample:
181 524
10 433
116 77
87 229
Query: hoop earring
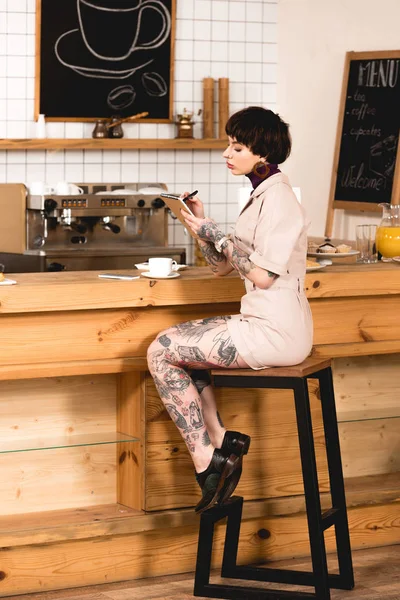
261 169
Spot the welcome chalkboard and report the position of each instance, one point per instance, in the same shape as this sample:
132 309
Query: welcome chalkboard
366 165
98 58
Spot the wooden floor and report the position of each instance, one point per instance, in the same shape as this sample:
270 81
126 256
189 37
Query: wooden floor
377 575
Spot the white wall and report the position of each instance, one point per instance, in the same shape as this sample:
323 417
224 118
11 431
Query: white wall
217 38
313 37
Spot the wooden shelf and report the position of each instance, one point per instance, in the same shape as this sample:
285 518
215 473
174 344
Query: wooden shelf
113 144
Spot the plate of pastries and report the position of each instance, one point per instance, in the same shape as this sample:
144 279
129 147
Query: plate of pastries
329 250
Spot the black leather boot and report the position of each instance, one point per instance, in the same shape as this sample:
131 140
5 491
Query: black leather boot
213 480
235 442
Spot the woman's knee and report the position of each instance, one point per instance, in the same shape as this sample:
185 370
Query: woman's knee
155 349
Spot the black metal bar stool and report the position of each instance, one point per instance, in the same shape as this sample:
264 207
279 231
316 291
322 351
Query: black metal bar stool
294 378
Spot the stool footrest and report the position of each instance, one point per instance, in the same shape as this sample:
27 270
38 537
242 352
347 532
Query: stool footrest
289 576
234 592
330 517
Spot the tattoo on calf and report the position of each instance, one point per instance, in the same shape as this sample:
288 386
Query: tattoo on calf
195 416
162 389
206 439
176 379
191 447
178 419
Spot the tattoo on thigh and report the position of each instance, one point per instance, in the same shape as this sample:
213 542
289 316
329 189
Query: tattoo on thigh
191 354
164 341
226 350
197 329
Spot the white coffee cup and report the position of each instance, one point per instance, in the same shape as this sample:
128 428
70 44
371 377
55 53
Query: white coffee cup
63 188
40 188
161 267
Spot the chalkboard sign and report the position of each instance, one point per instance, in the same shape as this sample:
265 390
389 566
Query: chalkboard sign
366 164
98 58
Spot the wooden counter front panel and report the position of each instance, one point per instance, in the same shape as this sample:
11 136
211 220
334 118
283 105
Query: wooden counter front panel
107 334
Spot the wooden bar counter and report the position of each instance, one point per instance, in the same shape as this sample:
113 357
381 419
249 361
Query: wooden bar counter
97 485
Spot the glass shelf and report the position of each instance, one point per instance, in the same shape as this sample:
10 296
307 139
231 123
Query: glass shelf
67 441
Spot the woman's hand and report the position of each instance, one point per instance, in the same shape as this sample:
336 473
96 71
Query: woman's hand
205 229
195 205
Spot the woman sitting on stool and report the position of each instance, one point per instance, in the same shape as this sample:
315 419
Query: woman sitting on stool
274 328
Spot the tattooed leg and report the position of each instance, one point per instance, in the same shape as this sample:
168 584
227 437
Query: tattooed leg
212 421
194 345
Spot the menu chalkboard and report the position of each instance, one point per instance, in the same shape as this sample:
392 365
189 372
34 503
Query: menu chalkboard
98 58
365 171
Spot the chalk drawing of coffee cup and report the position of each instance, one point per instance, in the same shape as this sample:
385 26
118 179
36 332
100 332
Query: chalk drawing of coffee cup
111 30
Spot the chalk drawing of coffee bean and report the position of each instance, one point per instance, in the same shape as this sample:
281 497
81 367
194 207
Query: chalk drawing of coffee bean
154 84
121 97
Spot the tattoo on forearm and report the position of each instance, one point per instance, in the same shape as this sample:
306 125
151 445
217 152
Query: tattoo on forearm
209 231
213 257
220 420
241 262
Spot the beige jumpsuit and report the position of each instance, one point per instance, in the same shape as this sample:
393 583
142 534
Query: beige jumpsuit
274 327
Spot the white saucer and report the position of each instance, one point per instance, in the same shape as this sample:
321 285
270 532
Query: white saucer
8 282
70 45
333 254
145 267
316 268
150 276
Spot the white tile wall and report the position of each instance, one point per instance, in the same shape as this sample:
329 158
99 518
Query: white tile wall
217 38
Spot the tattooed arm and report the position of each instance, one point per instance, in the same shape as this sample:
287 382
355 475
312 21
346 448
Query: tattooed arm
209 233
240 261
217 261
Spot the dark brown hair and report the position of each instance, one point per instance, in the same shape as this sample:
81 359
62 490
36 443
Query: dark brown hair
261 130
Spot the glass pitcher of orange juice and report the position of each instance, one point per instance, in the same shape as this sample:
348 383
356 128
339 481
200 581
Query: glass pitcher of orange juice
388 232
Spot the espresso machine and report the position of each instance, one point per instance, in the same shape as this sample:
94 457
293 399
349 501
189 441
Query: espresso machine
108 226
